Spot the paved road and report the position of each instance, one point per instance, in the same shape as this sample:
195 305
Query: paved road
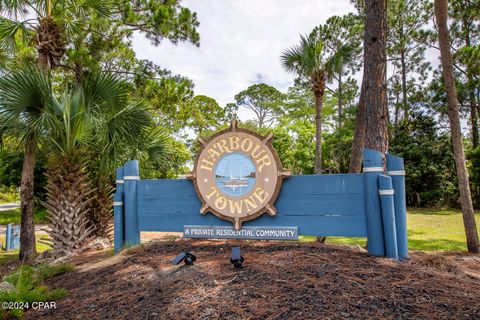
9 206
38 229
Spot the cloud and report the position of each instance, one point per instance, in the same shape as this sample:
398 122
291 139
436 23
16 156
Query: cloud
240 43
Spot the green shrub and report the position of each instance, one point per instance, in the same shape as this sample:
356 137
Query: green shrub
40 215
9 194
29 287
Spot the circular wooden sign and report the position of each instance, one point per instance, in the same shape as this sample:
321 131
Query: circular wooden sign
238 175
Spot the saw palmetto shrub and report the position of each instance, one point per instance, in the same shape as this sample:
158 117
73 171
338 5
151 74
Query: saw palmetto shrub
68 198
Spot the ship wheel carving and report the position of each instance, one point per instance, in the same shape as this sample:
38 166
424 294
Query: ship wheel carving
238 175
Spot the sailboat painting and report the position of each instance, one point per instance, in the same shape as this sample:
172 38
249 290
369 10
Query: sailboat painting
235 174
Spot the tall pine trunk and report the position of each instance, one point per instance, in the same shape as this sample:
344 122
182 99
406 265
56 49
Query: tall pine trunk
375 75
358 142
441 13
474 119
28 249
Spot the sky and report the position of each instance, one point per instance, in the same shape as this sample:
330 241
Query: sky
240 43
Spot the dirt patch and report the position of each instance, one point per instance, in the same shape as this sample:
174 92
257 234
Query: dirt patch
278 281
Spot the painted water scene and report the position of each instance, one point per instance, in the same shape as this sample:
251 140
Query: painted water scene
235 174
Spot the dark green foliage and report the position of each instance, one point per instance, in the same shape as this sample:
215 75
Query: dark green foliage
293 142
160 19
265 101
474 169
10 168
11 171
337 149
170 166
431 178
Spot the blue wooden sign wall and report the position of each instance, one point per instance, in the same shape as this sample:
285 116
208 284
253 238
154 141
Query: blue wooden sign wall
369 204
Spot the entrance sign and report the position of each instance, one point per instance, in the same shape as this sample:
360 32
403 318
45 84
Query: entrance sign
246 233
369 204
238 175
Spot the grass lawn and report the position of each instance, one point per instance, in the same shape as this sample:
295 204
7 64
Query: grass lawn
13 254
428 230
13 216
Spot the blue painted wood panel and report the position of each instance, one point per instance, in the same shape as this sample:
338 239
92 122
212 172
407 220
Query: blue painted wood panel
307 225
318 204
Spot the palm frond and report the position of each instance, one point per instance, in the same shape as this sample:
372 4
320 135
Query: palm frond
72 121
157 144
11 31
304 59
338 58
120 131
72 27
291 59
101 7
104 88
14 8
25 94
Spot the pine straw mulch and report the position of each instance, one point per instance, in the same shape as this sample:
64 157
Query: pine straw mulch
279 281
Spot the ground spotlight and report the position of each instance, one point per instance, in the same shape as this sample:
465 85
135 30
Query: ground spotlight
186 257
236 258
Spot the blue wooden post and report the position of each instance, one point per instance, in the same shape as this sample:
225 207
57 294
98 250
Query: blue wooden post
388 216
8 237
131 175
396 169
118 213
372 168
15 238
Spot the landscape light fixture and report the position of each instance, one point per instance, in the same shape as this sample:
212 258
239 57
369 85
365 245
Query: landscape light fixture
186 257
236 258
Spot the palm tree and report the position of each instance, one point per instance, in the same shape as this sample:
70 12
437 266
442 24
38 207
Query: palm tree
119 131
93 121
25 102
50 23
441 14
310 60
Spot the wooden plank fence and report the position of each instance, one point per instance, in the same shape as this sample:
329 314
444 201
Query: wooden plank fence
369 204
